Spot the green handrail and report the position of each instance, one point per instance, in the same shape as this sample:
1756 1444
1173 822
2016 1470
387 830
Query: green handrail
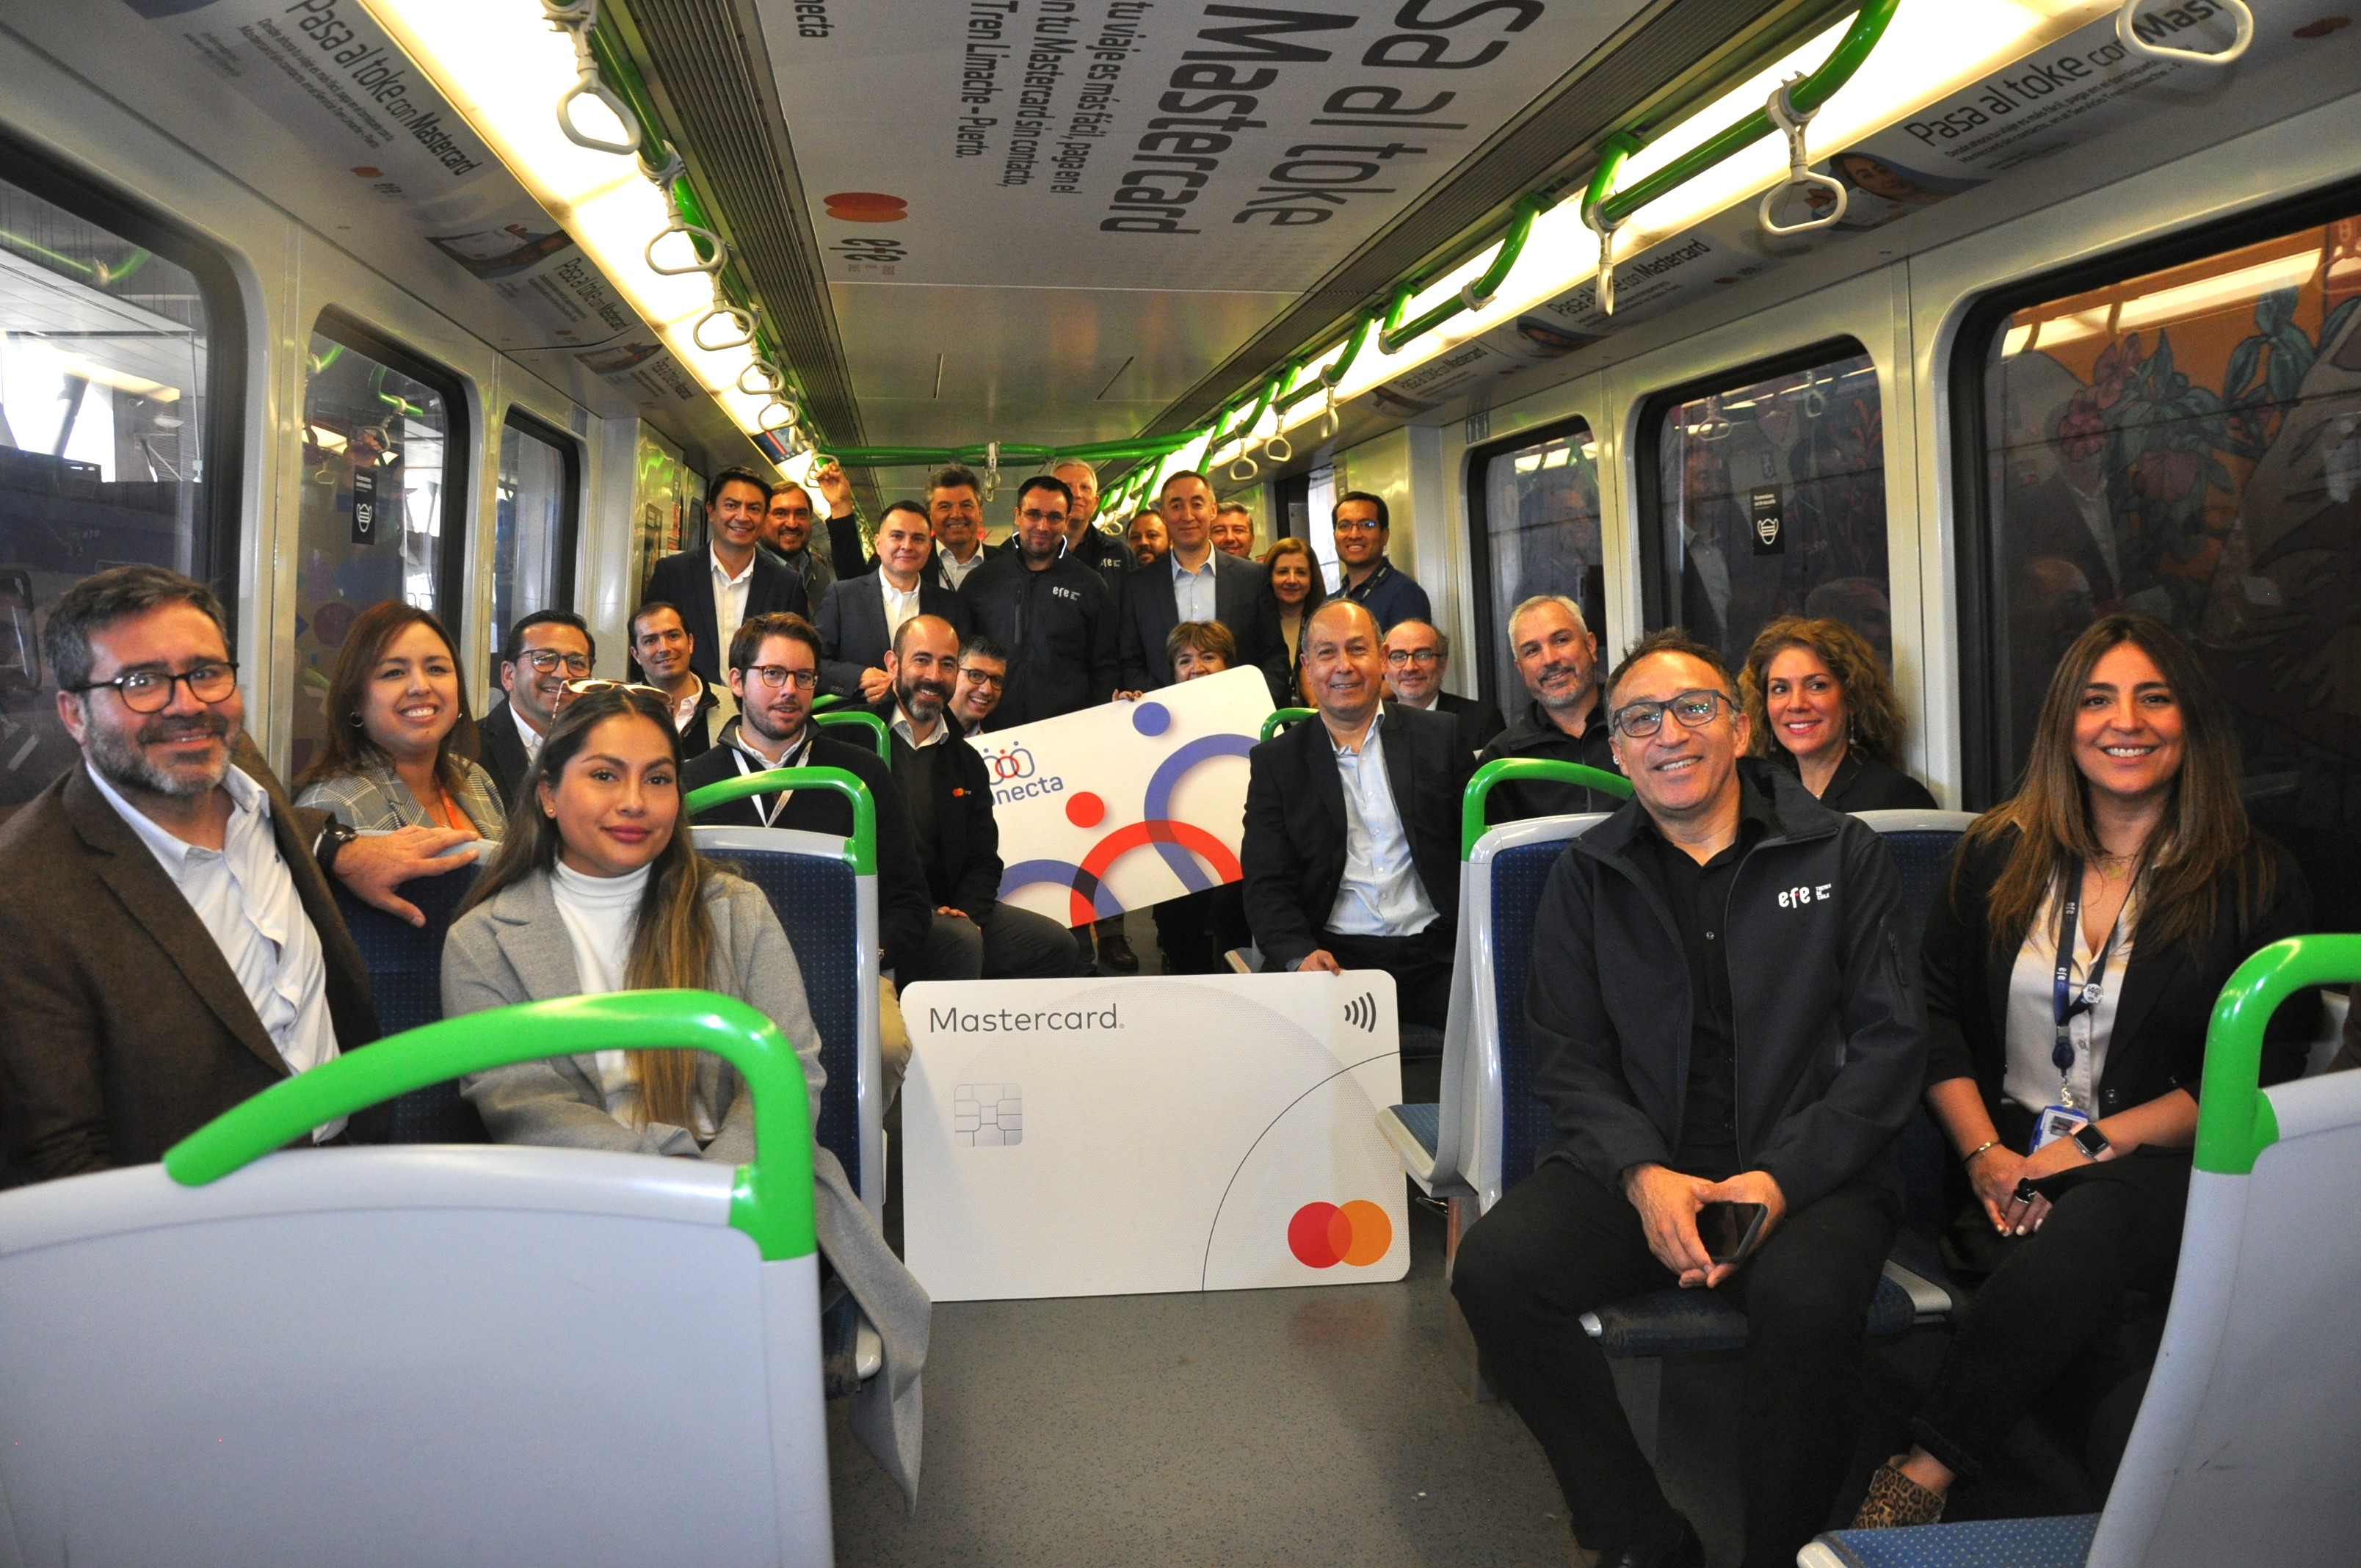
825 701
1816 89
1334 371
1135 449
1270 388
771 1201
1285 716
860 849
2235 1119
861 718
1485 285
1530 770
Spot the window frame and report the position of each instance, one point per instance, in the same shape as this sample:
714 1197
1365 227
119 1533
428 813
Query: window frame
569 529
339 325
1656 588
94 199
1484 632
1982 781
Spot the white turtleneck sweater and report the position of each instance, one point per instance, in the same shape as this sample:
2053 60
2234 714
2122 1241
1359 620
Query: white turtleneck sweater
599 913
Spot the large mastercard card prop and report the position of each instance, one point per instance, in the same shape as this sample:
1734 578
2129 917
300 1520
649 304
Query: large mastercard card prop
1128 804
1103 1137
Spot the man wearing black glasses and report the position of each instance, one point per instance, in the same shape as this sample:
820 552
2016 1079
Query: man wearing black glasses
1720 1014
545 651
774 672
173 946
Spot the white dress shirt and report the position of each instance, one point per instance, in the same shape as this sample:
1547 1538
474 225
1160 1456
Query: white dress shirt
525 732
729 598
902 726
957 572
1380 896
1193 592
246 898
899 606
2031 1077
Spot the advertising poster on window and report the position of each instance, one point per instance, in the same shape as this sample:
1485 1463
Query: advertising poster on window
1128 804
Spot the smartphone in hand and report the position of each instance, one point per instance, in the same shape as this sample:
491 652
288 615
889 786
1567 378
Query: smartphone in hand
1730 1230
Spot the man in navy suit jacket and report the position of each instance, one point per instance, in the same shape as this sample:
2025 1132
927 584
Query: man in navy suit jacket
729 582
1227 589
861 615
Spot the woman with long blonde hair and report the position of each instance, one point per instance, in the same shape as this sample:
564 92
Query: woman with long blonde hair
2091 922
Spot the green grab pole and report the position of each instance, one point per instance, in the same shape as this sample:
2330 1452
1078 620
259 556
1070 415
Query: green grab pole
1334 371
1396 304
860 849
1483 287
825 701
861 719
1613 153
1244 428
1535 769
2235 1119
1816 89
771 1199
1285 716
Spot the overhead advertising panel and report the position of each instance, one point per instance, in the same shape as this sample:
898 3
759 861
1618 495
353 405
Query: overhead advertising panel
1143 143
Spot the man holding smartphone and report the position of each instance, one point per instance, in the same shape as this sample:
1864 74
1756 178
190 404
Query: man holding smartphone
1720 1016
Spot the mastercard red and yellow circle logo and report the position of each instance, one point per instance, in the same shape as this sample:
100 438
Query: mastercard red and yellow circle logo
1322 1235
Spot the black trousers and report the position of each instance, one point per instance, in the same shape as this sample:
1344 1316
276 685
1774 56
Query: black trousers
2056 1293
1560 1245
1420 966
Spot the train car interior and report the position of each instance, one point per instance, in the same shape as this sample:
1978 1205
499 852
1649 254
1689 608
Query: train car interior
1957 326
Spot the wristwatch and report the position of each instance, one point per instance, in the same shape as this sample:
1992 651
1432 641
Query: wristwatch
2092 1141
333 837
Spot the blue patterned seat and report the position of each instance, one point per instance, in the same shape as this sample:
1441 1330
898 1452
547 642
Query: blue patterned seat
2061 1543
405 970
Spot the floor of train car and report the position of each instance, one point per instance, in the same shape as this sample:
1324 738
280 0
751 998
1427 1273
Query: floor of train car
1330 1425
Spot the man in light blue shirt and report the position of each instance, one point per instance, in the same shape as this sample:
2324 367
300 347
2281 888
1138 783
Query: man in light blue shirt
1352 831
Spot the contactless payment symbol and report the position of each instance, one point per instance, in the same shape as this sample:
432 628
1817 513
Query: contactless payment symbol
1322 1235
1362 1012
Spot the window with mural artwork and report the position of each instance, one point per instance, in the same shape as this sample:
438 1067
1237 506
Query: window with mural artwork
381 503
2186 443
1769 500
1538 533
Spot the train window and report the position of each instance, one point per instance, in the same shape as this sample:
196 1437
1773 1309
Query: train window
383 501
1535 530
113 405
539 509
2186 443
1769 494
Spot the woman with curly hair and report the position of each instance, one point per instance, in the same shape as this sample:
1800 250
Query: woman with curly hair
1819 690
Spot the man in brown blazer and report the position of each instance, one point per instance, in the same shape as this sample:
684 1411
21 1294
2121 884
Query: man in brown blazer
172 944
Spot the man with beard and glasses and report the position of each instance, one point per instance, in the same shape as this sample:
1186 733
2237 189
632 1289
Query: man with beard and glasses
774 672
1557 654
787 538
173 946
1418 655
948 788
1051 611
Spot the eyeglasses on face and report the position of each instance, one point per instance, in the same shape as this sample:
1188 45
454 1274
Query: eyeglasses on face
992 683
546 660
1694 709
1413 655
151 691
776 676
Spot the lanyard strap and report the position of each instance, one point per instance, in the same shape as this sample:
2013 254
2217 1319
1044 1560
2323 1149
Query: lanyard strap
2066 999
770 814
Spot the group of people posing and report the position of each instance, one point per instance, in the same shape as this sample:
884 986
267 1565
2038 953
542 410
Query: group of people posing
1721 1008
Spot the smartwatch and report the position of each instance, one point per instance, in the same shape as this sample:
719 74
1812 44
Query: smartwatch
333 837
2091 1141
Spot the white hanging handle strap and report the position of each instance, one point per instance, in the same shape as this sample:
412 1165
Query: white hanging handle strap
577 17
1330 422
1783 115
742 317
1278 449
2127 34
990 470
1604 289
666 179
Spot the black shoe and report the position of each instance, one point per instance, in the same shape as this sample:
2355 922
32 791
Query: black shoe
1685 1551
1116 954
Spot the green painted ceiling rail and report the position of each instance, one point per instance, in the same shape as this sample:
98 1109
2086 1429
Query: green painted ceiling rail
1611 207
1139 448
861 719
2235 1119
1285 716
860 849
1224 434
1479 290
771 1201
1334 371
1527 770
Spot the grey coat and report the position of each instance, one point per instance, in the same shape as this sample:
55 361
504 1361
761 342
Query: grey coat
374 800
515 949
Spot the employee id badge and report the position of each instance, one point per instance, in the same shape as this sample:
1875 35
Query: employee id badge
2057 1122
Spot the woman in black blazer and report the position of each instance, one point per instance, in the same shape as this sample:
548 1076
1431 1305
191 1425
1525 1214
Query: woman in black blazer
2129 824
1823 709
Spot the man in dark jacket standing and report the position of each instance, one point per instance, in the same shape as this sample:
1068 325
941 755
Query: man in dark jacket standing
947 785
1720 1014
730 580
1051 611
1352 832
1557 654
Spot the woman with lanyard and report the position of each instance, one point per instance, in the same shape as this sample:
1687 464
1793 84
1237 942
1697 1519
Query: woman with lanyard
2091 921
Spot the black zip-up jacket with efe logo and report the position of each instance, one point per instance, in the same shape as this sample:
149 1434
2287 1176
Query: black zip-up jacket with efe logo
1831 1026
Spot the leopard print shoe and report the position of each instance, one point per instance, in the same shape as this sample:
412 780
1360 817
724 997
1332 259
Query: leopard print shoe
1896 1500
